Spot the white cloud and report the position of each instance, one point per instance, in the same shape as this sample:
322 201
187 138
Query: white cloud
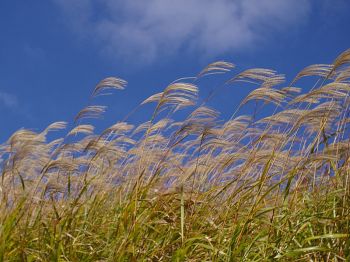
8 100
144 30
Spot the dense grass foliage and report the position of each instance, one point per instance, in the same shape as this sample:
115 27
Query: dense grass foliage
251 188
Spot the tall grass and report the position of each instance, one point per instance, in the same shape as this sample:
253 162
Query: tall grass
251 188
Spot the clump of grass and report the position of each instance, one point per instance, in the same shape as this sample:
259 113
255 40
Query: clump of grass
251 188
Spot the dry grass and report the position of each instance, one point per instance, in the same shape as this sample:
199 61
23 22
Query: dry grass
196 189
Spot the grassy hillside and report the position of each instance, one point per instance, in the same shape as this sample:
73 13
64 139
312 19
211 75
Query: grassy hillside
201 188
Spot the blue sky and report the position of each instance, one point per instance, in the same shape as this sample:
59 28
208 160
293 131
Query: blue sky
53 52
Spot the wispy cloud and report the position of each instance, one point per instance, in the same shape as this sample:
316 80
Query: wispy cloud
8 100
11 103
142 31
34 54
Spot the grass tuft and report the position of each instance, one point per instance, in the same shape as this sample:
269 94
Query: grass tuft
273 185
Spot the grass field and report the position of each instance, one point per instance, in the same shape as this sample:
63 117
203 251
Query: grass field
249 188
